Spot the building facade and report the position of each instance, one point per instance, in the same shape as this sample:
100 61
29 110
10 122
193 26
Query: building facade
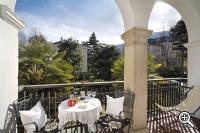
161 47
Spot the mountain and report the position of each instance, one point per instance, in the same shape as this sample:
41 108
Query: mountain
120 47
162 36
159 34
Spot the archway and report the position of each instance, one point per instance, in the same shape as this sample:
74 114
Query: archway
163 48
190 14
136 15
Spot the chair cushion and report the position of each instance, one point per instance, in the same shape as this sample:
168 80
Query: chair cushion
35 114
114 105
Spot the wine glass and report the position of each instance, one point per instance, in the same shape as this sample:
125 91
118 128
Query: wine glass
93 93
82 93
89 93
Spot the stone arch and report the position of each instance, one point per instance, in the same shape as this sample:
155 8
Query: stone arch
127 13
190 15
190 12
136 13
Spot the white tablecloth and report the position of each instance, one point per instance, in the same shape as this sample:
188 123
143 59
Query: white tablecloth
86 116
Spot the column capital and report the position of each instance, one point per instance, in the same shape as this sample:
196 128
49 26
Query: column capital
136 35
10 17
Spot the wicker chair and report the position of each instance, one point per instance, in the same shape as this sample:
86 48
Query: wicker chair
52 123
106 119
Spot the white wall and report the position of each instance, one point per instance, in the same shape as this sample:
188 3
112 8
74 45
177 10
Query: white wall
8 67
193 63
9 63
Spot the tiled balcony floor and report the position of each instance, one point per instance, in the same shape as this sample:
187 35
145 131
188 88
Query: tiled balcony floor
162 122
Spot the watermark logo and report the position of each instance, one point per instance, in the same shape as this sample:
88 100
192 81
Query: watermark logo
184 117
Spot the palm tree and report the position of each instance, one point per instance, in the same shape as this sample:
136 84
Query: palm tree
41 63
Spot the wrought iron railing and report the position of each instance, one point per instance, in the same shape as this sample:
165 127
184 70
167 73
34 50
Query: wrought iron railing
51 91
166 92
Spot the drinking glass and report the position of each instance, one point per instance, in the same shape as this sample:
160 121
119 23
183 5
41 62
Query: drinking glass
93 93
89 93
82 93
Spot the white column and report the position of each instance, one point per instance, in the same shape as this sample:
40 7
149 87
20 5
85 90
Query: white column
193 64
135 73
9 27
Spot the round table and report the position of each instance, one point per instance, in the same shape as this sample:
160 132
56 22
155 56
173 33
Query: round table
86 116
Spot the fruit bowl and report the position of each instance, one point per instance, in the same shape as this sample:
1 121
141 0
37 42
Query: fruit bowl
71 102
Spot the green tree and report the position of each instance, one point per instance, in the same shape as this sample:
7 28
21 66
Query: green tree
40 63
36 37
101 58
152 67
105 61
72 55
93 46
169 72
179 36
118 68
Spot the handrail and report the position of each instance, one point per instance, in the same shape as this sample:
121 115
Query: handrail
22 87
167 79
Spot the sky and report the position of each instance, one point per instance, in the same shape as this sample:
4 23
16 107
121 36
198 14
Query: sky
79 18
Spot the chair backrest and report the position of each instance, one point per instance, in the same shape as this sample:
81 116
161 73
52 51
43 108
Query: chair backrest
102 98
129 98
10 122
50 106
22 104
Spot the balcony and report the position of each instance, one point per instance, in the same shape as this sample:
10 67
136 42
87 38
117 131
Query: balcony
167 92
